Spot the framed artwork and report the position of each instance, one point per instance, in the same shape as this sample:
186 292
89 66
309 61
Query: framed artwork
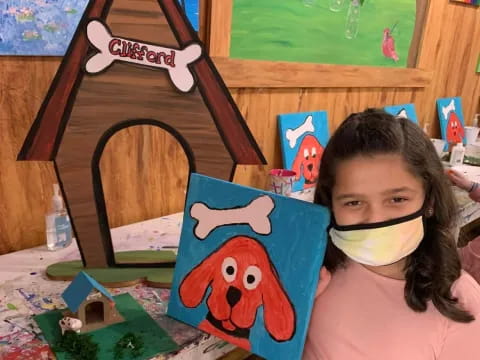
38 27
469 2
450 115
347 32
247 270
403 110
303 136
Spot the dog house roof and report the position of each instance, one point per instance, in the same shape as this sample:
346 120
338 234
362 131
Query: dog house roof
45 135
80 288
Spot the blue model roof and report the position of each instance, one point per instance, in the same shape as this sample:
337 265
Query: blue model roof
80 288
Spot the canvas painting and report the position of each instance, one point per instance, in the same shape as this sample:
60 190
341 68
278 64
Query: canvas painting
303 136
452 124
38 27
404 110
469 2
191 8
345 32
248 266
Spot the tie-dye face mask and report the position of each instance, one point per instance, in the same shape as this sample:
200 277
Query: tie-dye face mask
382 243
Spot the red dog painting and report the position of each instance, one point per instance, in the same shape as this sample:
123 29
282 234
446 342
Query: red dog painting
455 132
242 278
307 161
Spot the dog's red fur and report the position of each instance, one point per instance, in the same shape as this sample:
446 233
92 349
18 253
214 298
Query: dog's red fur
307 161
278 312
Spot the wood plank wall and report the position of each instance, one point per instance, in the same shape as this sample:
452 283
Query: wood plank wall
140 164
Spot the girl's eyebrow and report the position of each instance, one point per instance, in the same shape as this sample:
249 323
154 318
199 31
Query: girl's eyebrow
347 196
398 190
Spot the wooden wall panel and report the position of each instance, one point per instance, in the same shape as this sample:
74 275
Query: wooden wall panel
450 48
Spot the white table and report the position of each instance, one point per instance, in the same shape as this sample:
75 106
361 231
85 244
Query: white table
25 291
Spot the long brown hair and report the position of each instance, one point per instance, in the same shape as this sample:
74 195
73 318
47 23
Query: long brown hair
433 267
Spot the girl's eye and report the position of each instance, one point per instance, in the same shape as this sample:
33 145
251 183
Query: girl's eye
352 203
398 200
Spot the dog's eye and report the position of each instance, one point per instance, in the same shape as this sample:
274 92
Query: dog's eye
314 152
305 153
229 269
252 277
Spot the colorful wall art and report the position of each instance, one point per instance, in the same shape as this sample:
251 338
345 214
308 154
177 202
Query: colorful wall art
469 2
303 137
347 32
38 27
404 110
247 270
450 115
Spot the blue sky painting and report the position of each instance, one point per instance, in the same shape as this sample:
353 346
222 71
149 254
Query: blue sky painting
46 27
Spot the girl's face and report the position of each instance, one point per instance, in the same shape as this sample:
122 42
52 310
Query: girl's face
374 189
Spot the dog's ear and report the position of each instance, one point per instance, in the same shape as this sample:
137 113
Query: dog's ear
278 312
195 284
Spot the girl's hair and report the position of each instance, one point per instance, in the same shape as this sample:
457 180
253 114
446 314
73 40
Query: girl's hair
433 267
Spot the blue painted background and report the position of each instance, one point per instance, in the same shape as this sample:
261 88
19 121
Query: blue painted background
46 27
296 247
444 121
292 121
410 108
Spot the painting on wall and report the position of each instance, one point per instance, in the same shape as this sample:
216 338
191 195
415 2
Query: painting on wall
469 2
46 27
303 136
345 32
244 259
191 8
404 110
38 27
450 115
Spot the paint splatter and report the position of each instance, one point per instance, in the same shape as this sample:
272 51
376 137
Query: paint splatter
11 307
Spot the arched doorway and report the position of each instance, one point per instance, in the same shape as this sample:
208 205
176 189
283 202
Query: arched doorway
114 184
94 312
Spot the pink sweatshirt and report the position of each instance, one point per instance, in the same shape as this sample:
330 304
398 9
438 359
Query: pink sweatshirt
363 316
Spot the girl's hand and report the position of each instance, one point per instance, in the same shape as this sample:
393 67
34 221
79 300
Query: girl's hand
459 179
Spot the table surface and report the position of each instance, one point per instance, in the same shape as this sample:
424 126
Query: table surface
25 290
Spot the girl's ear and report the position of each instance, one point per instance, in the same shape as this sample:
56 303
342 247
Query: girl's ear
195 284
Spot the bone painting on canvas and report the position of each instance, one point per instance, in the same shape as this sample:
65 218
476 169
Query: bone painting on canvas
247 269
450 116
403 110
303 136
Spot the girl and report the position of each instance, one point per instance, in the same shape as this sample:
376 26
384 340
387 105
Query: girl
469 254
392 288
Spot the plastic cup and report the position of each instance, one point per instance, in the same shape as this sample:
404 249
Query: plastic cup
471 134
282 181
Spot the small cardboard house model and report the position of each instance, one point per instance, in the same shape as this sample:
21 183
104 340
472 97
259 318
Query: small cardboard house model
132 63
91 303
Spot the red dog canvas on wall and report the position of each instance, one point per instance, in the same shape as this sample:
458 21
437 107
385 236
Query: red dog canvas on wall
247 270
303 137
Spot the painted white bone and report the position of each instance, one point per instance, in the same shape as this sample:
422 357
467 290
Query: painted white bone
256 214
292 135
447 109
402 114
100 37
69 323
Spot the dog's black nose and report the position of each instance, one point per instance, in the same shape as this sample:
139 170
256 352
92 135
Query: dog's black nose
233 295
310 167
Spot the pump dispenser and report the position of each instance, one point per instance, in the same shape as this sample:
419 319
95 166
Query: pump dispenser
59 229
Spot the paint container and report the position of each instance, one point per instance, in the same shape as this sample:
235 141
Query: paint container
281 181
439 145
471 134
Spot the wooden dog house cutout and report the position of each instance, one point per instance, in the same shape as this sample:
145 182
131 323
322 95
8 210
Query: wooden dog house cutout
107 81
91 303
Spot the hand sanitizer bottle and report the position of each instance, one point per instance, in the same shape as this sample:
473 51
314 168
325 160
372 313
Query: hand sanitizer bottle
59 229
457 155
